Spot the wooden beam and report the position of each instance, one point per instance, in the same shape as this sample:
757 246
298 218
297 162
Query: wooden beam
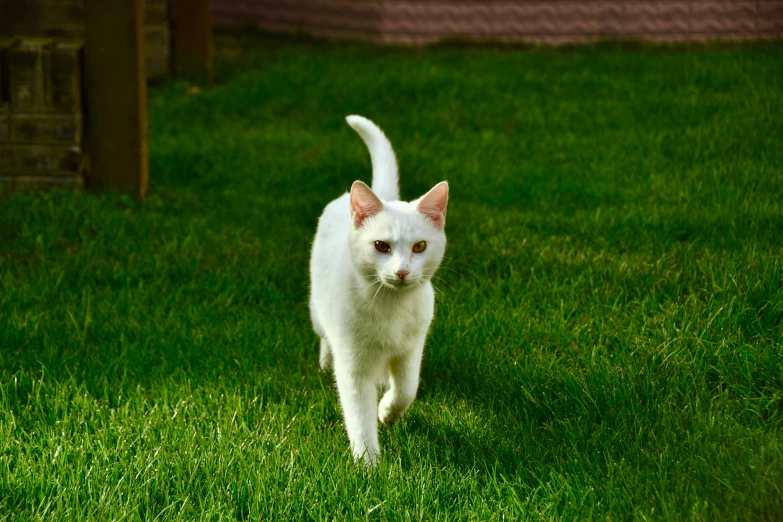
193 38
116 96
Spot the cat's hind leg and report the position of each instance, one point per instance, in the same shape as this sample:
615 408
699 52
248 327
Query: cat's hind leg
325 358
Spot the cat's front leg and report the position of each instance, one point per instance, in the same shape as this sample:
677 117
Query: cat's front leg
358 398
404 381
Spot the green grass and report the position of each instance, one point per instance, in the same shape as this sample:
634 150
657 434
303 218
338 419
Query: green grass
607 343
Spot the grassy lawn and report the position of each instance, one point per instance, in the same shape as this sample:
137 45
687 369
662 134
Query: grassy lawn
608 337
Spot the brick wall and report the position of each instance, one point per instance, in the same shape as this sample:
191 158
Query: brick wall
542 21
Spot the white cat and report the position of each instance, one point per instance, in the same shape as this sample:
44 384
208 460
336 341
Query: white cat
371 299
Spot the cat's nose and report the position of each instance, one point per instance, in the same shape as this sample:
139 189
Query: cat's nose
402 273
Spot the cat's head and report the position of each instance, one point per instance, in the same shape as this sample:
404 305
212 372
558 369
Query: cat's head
398 244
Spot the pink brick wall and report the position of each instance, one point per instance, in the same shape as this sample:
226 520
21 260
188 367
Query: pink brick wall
552 21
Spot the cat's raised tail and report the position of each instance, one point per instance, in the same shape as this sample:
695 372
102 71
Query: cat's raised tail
385 178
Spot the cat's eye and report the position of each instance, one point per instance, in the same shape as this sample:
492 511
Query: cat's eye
420 247
382 247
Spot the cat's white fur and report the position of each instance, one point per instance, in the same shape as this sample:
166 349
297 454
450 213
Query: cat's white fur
372 322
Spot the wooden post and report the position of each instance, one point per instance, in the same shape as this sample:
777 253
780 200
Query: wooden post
193 38
116 96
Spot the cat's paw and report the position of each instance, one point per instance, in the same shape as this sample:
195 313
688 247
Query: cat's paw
366 455
386 413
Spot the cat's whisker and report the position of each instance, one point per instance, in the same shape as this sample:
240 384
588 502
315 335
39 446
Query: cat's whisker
371 283
440 292
443 281
378 284
360 292
376 292
448 268
433 276
372 301
444 264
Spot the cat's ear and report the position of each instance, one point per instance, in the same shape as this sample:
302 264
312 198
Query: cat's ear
364 203
433 204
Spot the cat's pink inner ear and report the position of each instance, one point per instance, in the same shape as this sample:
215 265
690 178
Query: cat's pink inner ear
364 203
433 204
